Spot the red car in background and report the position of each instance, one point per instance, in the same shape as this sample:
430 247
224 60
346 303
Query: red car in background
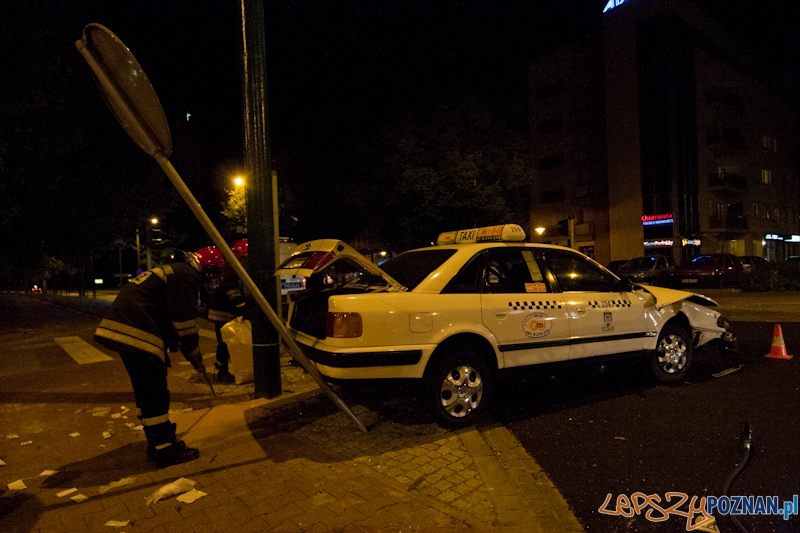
709 270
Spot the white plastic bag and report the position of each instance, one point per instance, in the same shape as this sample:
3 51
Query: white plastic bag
179 486
238 335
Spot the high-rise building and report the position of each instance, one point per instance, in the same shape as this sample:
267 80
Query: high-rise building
663 135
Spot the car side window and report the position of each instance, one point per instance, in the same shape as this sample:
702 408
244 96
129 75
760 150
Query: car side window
468 280
512 271
574 273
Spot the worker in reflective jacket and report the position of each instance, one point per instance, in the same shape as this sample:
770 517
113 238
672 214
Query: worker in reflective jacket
227 302
156 311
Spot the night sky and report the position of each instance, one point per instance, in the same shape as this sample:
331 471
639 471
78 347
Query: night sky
337 69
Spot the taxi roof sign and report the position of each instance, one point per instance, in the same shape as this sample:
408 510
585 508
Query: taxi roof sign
500 233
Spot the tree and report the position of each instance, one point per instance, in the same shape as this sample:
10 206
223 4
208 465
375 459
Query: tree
448 164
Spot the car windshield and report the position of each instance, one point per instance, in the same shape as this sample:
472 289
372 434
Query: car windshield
640 262
410 268
707 260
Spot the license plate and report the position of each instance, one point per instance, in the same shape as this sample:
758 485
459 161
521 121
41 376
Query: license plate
688 281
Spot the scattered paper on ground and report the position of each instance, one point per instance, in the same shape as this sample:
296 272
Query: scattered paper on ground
2 463
12 436
17 485
179 411
191 496
178 486
75 434
26 443
117 523
48 472
79 498
101 411
119 483
66 492
106 434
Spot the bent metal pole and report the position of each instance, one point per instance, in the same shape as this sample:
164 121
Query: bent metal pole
255 292
112 63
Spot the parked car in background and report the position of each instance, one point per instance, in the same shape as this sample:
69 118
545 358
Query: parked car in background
652 269
614 266
793 258
709 270
749 261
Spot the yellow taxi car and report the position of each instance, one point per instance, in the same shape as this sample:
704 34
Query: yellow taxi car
454 315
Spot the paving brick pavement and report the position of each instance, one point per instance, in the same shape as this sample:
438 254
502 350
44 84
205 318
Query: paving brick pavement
290 464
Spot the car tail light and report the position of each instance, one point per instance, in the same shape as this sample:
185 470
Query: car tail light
343 325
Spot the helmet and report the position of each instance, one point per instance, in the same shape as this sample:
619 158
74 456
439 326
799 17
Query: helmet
240 248
208 257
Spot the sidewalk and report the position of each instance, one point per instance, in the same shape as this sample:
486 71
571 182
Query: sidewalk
289 464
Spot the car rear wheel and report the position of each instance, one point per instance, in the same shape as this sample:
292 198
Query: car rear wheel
673 354
459 388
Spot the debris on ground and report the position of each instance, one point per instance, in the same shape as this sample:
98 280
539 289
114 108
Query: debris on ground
115 484
178 486
191 496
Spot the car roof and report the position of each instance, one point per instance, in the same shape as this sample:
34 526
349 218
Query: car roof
436 281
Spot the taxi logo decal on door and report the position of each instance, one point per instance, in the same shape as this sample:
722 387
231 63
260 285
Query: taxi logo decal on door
607 320
537 325
534 306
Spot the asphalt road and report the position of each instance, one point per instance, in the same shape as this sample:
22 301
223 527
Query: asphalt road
595 431
612 430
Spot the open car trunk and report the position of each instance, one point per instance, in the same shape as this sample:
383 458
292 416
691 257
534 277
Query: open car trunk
330 267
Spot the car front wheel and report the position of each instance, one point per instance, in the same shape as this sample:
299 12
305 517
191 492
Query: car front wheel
459 388
673 354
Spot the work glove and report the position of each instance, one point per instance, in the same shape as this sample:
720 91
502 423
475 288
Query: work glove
196 359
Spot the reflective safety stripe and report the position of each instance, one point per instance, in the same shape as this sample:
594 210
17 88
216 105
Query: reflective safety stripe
186 328
158 271
220 316
130 336
233 293
162 446
155 420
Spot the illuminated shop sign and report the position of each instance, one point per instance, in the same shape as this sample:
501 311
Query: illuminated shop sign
773 237
656 220
658 243
612 4
793 238
691 242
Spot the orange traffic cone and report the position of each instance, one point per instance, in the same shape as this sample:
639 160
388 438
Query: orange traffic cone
778 350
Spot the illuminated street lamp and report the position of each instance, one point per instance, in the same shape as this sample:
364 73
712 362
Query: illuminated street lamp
539 231
238 181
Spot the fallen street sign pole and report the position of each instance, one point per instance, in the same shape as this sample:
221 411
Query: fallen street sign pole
132 99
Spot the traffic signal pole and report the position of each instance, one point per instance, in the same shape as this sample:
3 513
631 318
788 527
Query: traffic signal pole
259 197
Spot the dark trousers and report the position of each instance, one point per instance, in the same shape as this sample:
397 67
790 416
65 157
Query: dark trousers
149 380
222 349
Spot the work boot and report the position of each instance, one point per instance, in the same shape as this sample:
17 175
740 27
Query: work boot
223 376
163 449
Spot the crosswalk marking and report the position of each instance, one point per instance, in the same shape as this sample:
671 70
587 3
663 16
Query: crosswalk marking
80 350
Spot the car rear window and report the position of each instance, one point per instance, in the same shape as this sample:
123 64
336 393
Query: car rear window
410 268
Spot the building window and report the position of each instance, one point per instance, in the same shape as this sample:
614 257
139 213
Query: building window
554 196
551 161
769 143
766 176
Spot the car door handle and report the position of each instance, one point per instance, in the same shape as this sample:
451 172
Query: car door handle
501 314
580 310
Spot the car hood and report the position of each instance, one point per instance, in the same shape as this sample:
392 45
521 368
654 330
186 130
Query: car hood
313 257
665 297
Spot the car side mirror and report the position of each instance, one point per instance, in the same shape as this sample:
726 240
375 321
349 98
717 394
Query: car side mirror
625 285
